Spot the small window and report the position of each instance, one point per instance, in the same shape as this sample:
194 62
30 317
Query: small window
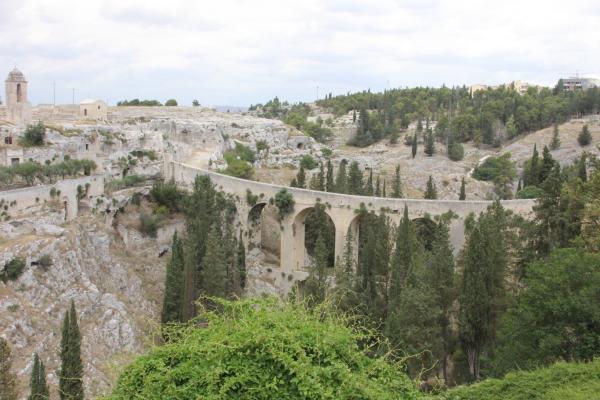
8 140
14 161
85 112
98 107
87 146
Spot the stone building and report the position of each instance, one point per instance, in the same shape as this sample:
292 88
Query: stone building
93 109
18 109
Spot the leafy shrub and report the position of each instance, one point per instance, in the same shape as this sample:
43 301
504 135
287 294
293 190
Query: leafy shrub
251 198
45 261
167 194
284 201
149 224
138 102
238 168
456 151
263 349
34 135
245 153
262 145
171 103
12 269
308 162
530 192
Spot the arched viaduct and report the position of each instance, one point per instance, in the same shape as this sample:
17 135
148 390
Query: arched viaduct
340 207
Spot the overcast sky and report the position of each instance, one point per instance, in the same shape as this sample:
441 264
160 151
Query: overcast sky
239 52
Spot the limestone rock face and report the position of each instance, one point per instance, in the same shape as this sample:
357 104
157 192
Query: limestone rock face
117 295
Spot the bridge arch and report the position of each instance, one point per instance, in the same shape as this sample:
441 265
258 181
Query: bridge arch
263 231
319 221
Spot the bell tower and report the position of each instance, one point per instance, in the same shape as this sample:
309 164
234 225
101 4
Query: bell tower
19 109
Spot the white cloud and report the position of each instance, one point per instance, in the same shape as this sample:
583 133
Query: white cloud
242 51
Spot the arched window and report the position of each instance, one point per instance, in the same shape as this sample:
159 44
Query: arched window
18 92
85 112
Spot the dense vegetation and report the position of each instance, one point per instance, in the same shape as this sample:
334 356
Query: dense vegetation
34 135
561 381
264 349
138 102
489 116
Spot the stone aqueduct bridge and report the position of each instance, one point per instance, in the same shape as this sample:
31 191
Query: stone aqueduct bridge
341 209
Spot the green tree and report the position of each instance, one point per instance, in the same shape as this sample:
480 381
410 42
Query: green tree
329 184
555 317
369 189
355 179
8 388
241 262
463 193
582 168
71 370
555 143
34 135
171 103
378 187
430 190
482 287
546 165
414 146
585 137
429 144
214 266
301 178
315 287
341 181
343 293
173 297
397 186
37 384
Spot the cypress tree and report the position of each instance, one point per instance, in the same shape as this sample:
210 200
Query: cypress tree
378 187
8 386
414 146
355 179
341 181
383 189
173 297
582 168
71 369
369 191
403 260
321 179
547 164
482 290
344 295
519 185
430 190
37 383
214 266
532 176
353 116
429 144
241 262
397 187
294 183
301 178
329 184
463 192
440 274
555 143
316 284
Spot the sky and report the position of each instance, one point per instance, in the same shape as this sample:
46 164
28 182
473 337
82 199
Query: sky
242 52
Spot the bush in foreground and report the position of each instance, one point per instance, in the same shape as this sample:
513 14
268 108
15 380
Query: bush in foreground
262 349
573 381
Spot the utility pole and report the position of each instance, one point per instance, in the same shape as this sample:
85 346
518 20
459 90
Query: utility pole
317 92
73 96
54 94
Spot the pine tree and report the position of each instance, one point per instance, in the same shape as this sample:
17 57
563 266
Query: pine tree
341 181
214 268
37 383
555 143
173 297
397 187
585 137
355 179
463 192
71 369
430 190
414 146
8 386
429 144
329 184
